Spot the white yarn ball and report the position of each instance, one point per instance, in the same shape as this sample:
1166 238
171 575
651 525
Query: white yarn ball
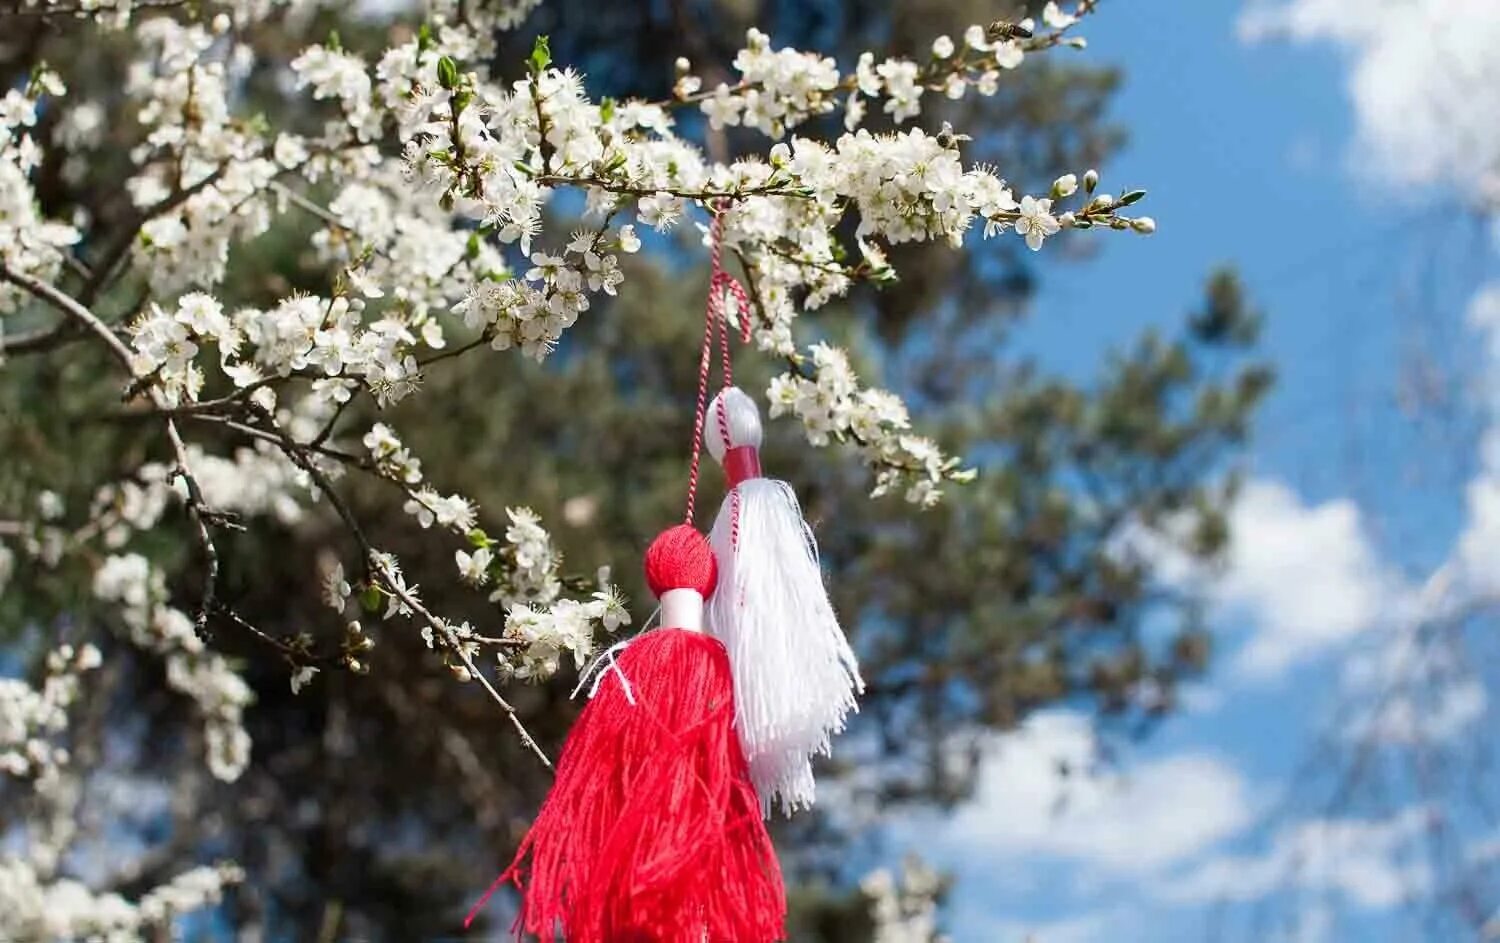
741 418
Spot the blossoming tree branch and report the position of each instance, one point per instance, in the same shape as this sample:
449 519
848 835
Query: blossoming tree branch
427 178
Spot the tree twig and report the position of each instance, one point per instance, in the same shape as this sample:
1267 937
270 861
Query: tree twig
39 340
201 515
453 642
45 9
67 305
377 570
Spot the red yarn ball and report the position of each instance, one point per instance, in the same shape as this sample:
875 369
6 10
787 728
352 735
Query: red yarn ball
681 558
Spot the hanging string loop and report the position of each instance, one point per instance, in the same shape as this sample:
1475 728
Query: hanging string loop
723 289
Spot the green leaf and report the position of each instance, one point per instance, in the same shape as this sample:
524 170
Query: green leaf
541 54
1132 196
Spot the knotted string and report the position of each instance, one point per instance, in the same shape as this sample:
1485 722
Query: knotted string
721 285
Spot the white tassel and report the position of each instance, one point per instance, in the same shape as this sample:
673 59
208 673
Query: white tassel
795 677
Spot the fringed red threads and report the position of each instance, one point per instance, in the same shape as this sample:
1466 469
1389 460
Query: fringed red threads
795 676
652 832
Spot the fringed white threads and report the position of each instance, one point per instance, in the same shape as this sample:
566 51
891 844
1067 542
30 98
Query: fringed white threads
795 675
600 668
603 664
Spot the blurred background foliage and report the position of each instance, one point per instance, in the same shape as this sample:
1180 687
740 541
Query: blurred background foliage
379 804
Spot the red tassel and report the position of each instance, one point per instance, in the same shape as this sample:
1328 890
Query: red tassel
652 832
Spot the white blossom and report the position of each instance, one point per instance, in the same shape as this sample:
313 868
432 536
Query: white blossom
474 567
904 906
204 677
1036 222
29 243
336 588
1053 16
301 677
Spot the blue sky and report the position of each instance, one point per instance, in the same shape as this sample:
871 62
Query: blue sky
1281 157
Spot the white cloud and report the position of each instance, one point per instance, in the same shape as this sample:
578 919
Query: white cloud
1478 552
1136 822
1479 545
1087 928
1373 864
1414 686
1307 577
1424 80
1432 714
1308 581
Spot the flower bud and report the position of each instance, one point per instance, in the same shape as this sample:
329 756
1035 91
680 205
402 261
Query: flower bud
1145 225
1090 181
